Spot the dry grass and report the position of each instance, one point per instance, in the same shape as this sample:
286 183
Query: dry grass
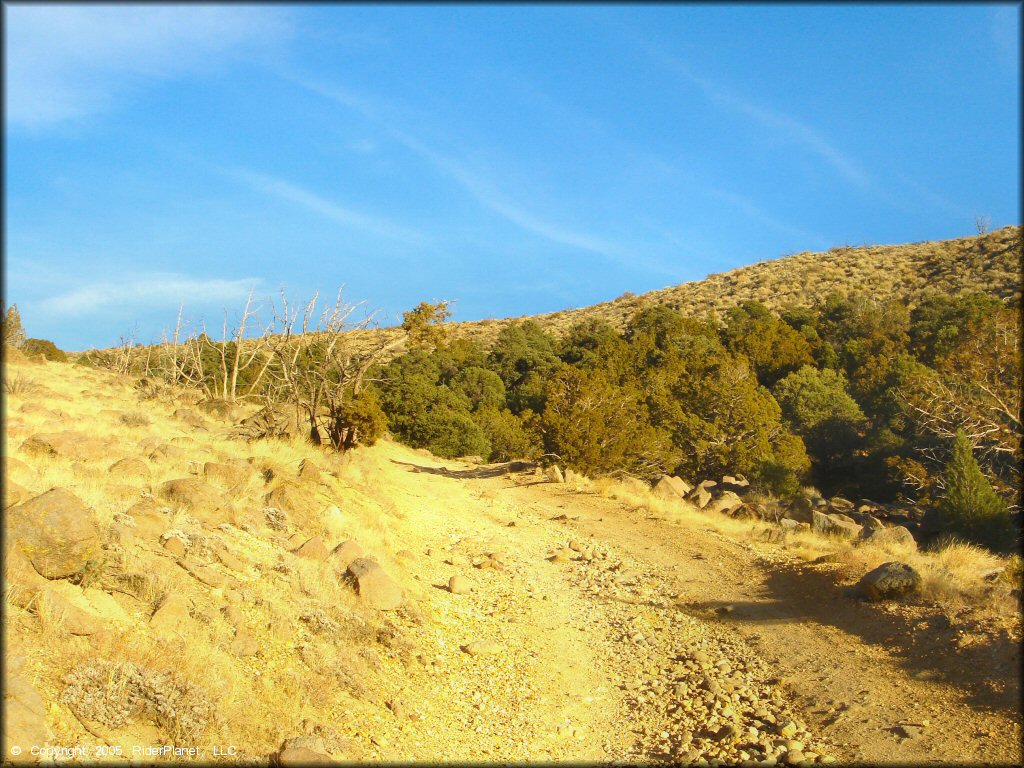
955 574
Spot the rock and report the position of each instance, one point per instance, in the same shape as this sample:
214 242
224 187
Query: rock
24 709
313 549
801 509
375 587
839 504
204 574
299 756
151 518
727 732
15 494
700 496
297 501
174 545
226 475
739 480
57 533
190 417
554 474
787 729
561 556
129 467
346 553
890 580
174 613
870 523
727 503
482 648
671 487
315 743
834 525
75 446
789 525
460 585
224 410
168 451
308 471
244 644
897 534
204 501
16 466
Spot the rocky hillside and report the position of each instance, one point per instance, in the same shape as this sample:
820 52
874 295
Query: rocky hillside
990 263
171 590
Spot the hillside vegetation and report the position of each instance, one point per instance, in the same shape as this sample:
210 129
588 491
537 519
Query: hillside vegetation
989 263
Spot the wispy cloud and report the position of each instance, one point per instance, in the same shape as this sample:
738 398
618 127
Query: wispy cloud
147 289
491 198
483 191
293 193
781 123
65 62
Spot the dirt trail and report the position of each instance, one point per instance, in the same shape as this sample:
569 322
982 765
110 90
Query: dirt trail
672 643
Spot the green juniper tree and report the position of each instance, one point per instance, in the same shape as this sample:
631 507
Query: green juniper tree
970 505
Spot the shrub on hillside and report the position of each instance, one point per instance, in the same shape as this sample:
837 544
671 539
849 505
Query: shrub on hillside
970 506
511 437
44 348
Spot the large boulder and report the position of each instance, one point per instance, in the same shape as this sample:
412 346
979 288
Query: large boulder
727 503
700 495
75 446
313 549
672 487
375 587
227 475
834 525
57 533
890 580
895 534
841 505
346 553
81 611
203 501
294 499
131 466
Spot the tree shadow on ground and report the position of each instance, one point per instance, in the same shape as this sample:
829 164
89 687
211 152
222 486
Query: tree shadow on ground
923 640
494 470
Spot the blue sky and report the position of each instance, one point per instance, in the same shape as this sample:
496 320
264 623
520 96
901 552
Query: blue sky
513 159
